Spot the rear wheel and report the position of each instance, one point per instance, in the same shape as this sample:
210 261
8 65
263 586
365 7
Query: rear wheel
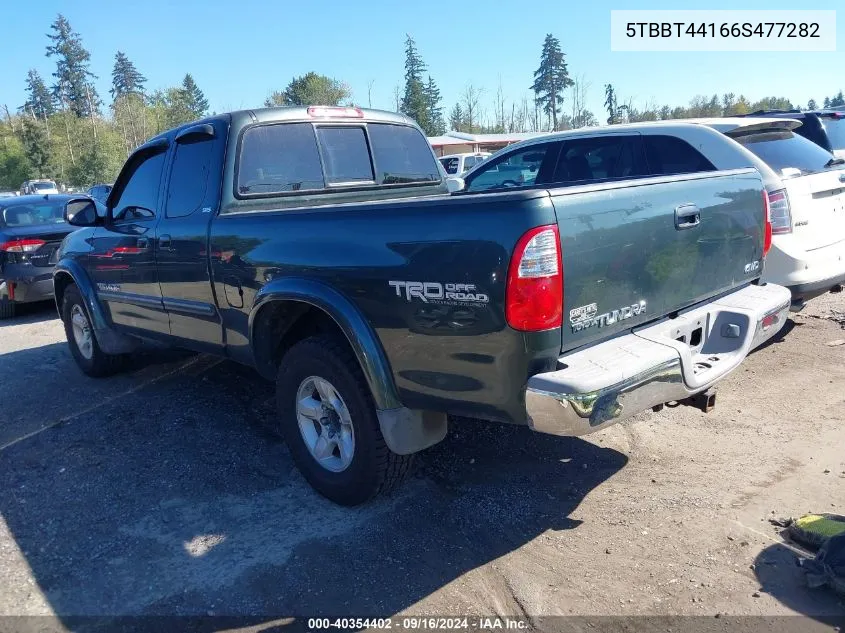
82 340
7 309
328 419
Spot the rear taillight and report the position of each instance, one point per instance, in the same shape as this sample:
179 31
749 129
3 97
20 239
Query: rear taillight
780 215
534 295
767 220
21 246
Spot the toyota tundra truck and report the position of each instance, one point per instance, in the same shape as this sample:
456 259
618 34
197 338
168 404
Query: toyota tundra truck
320 246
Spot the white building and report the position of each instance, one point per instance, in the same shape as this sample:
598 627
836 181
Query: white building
462 142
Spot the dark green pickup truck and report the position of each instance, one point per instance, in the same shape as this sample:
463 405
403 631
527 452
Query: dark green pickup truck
586 277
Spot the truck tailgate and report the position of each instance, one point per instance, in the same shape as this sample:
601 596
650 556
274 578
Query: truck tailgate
635 251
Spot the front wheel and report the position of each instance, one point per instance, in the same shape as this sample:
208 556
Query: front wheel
329 422
82 340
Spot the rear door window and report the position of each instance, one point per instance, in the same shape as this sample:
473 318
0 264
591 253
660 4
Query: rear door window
781 149
188 177
668 155
600 158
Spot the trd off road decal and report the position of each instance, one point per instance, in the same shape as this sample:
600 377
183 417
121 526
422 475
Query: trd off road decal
439 294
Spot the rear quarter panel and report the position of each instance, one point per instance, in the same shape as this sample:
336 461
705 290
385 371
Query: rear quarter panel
457 356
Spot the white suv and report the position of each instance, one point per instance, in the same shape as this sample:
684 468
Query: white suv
457 164
806 186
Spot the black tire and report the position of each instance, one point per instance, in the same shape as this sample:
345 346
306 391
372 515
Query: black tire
374 468
100 364
7 309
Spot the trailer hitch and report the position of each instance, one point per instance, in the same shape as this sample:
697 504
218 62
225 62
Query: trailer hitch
706 400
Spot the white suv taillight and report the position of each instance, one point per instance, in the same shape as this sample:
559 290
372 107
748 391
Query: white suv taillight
534 295
779 213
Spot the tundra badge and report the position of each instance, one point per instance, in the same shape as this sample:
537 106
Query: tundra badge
585 316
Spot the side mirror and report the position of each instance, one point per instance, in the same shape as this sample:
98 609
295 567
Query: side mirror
81 212
455 184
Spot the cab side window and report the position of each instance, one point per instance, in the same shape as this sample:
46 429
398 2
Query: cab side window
189 177
521 168
139 198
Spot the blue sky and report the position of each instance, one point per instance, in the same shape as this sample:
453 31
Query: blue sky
239 51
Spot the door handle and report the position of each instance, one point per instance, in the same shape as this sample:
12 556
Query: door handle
164 242
687 216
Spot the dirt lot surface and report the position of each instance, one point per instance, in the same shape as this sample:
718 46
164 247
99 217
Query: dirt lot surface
160 491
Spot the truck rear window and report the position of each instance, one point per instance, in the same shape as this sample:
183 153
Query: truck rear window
292 157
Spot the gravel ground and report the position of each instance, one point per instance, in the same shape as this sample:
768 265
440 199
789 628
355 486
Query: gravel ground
161 492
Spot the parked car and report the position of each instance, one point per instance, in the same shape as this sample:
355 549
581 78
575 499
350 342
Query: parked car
100 192
43 187
31 229
825 128
379 304
457 164
806 186
8 194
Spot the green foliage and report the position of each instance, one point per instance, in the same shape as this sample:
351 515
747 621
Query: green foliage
39 102
415 101
36 146
73 88
125 78
812 105
310 89
838 101
14 166
193 98
457 118
551 79
434 111
610 105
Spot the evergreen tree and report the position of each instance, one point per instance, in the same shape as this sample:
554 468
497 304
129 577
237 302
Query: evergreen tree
812 105
436 125
414 102
551 78
125 78
610 105
195 100
826 103
39 101
35 145
73 87
457 118
838 101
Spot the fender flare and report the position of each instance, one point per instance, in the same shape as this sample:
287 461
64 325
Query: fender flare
79 277
110 340
361 336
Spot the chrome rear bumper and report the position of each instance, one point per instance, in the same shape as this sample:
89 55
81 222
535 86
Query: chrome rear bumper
615 380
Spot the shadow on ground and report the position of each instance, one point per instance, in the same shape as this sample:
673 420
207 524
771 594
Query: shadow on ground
176 500
781 577
37 312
